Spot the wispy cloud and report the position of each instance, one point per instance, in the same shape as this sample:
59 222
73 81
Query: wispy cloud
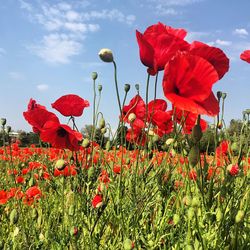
16 75
241 32
67 24
42 87
220 42
2 51
196 35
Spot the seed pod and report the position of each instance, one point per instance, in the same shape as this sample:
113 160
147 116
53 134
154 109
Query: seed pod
102 123
219 94
239 216
126 87
193 156
196 133
13 217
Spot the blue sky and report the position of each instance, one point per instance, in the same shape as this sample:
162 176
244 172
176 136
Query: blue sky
49 48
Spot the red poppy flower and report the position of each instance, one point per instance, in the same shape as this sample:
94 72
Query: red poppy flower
233 169
60 136
33 192
97 201
213 55
67 171
33 105
138 109
245 56
70 105
187 83
158 44
136 135
188 120
3 197
37 117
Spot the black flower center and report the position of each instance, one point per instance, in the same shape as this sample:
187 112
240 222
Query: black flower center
61 132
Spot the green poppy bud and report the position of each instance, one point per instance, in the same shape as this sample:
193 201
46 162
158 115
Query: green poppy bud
34 213
103 130
91 172
137 87
196 133
176 219
85 143
3 121
193 156
127 87
99 87
102 123
106 55
107 146
8 129
61 164
13 217
127 244
224 95
239 216
94 75
195 202
190 213
219 94
219 215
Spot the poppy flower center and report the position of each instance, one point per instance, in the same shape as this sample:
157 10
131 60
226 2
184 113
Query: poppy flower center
61 132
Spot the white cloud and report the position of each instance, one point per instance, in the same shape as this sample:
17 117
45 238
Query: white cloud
223 42
165 11
42 87
2 51
16 75
56 48
66 25
196 35
175 2
241 32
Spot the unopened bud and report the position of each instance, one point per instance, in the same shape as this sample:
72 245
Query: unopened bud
85 143
8 129
193 156
94 75
99 87
131 117
219 94
13 217
239 216
107 146
196 133
106 55
127 87
169 141
127 244
61 164
219 215
3 121
224 95
137 87
101 123
103 130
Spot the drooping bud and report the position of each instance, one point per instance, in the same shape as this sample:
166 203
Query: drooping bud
239 216
85 143
99 88
13 217
3 121
61 164
106 55
137 87
126 87
131 117
101 123
196 133
94 75
193 156
219 95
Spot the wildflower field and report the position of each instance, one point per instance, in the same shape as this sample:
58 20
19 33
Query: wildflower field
149 185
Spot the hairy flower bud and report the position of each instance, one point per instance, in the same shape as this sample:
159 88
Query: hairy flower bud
99 87
94 75
106 55
85 143
224 95
131 117
196 133
126 87
107 146
61 164
137 87
193 156
13 217
219 94
101 123
127 244
3 121
239 216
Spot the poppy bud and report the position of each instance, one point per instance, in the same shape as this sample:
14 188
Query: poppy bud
91 172
127 87
13 217
193 156
176 219
99 87
61 164
190 213
239 216
219 215
85 143
196 133
220 125
34 213
186 200
219 94
94 75
103 130
224 95
107 146
169 141
8 129
155 138
195 202
131 117
106 55
137 87
3 121
101 123
127 244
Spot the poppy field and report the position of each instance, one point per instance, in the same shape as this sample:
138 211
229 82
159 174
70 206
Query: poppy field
149 184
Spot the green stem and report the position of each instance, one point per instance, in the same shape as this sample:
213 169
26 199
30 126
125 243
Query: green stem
116 87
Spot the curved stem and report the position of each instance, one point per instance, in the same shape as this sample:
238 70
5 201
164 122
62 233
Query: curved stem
116 87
